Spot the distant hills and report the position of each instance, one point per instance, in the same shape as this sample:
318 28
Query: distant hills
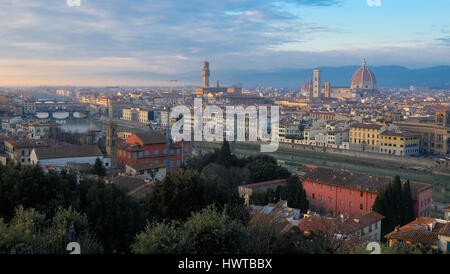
387 76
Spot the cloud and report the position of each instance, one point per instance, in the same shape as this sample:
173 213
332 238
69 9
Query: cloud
168 36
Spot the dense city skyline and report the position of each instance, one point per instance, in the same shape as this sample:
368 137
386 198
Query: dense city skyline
108 43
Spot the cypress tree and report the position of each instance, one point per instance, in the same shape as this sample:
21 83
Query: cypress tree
408 210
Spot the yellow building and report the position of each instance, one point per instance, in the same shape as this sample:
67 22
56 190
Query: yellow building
365 137
400 143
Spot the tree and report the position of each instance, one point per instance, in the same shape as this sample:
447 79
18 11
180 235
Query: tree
293 193
185 191
207 232
224 156
265 168
408 214
162 238
99 169
395 203
30 232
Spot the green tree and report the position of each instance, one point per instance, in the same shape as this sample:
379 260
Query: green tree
265 168
224 156
408 214
98 168
207 232
395 204
162 238
185 191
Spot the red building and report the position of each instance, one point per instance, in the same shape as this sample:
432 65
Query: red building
342 192
151 147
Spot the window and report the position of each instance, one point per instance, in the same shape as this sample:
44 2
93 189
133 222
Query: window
331 187
147 153
362 194
156 152
361 206
351 192
341 202
321 198
351 204
314 196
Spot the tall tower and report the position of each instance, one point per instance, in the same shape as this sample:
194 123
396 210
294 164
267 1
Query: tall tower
310 90
327 90
206 74
317 83
111 143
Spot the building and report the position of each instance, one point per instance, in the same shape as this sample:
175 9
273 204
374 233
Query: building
246 191
29 107
366 225
152 147
207 91
146 170
364 81
59 156
435 137
317 85
423 231
400 143
206 73
365 137
363 84
342 192
133 186
111 143
447 213
19 151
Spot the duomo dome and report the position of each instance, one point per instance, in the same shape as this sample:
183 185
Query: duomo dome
364 78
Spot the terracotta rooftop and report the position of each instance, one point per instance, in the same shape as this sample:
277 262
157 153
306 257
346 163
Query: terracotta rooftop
352 180
145 166
67 151
149 138
422 230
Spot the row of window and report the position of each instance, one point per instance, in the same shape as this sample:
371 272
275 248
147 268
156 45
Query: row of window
322 186
141 154
331 200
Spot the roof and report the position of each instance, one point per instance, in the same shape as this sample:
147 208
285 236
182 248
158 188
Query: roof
422 230
352 180
127 182
67 151
149 138
415 236
368 126
345 224
400 134
363 75
145 166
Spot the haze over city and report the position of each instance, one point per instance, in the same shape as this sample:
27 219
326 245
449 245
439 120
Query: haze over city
146 42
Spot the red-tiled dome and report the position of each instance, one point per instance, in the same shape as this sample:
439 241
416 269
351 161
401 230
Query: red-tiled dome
364 78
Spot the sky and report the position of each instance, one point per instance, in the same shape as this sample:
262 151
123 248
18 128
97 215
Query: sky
142 42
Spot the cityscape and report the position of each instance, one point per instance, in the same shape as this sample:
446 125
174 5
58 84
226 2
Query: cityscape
221 147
